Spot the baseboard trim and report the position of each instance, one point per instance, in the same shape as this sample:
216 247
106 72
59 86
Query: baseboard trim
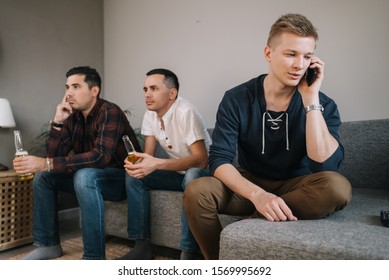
66 214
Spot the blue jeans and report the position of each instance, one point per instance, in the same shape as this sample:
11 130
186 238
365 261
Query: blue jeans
91 186
139 202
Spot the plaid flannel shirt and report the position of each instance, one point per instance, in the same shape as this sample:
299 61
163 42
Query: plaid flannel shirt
92 142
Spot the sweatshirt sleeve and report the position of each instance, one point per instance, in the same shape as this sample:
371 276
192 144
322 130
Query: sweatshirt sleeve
225 134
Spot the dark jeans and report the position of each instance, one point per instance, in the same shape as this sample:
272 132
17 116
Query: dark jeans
138 198
92 186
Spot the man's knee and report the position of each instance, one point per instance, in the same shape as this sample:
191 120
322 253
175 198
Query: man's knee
191 191
339 189
129 180
192 174
85 174
41 179
84 179
134 185
330 192
200 191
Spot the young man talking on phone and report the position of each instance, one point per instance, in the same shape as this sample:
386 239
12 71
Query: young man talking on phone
286 134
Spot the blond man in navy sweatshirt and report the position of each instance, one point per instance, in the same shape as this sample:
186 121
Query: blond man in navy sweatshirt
286 134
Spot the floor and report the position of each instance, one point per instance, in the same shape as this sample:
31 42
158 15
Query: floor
69 228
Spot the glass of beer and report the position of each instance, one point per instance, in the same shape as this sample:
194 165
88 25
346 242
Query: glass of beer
130 150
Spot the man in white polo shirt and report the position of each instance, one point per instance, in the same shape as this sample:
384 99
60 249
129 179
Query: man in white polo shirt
176 125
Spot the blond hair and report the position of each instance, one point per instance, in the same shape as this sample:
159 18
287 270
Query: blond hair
292 23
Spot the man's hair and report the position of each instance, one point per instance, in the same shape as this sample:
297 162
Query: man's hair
170 80
292 23
92 77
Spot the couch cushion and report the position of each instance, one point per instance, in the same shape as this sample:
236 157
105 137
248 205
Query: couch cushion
165 218
366 144
115 216
353 233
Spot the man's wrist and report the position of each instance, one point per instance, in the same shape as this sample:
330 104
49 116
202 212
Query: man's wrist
314 107
56 124
48 165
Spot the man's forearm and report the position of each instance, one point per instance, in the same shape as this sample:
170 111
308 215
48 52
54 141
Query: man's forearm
231 177
320 143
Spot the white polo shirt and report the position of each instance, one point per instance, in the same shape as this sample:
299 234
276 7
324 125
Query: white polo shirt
183 127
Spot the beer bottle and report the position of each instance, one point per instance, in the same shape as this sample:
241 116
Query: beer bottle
20 152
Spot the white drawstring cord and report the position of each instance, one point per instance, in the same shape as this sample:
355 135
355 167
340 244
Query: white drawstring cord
263 133
286 131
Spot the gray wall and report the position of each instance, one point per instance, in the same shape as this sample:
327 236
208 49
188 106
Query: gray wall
39 41
213 45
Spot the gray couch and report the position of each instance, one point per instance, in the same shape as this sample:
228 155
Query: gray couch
353 233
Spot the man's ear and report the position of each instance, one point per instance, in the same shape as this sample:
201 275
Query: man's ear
267 53
95 91
173 94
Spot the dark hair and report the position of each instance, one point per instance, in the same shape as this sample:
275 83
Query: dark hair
92 78
293 23
170 80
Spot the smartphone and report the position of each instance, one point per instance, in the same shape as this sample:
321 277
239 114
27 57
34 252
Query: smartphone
311 75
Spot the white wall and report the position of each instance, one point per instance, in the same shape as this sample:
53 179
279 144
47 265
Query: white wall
213 45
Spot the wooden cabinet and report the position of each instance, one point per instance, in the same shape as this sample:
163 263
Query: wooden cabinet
16 206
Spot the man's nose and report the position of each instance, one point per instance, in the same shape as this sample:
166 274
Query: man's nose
147 92
298 63
68 93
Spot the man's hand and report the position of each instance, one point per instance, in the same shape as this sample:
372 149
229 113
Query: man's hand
139 170
269 205
310 94
29 164
272 207
63 110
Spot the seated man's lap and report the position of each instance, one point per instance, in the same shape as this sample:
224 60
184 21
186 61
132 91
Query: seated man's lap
164 180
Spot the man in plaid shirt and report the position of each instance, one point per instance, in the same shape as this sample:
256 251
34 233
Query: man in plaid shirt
84 155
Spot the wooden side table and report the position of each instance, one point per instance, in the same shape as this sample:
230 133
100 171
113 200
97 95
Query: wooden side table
16 203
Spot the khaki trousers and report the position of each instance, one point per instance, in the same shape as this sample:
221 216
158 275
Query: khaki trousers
312 196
